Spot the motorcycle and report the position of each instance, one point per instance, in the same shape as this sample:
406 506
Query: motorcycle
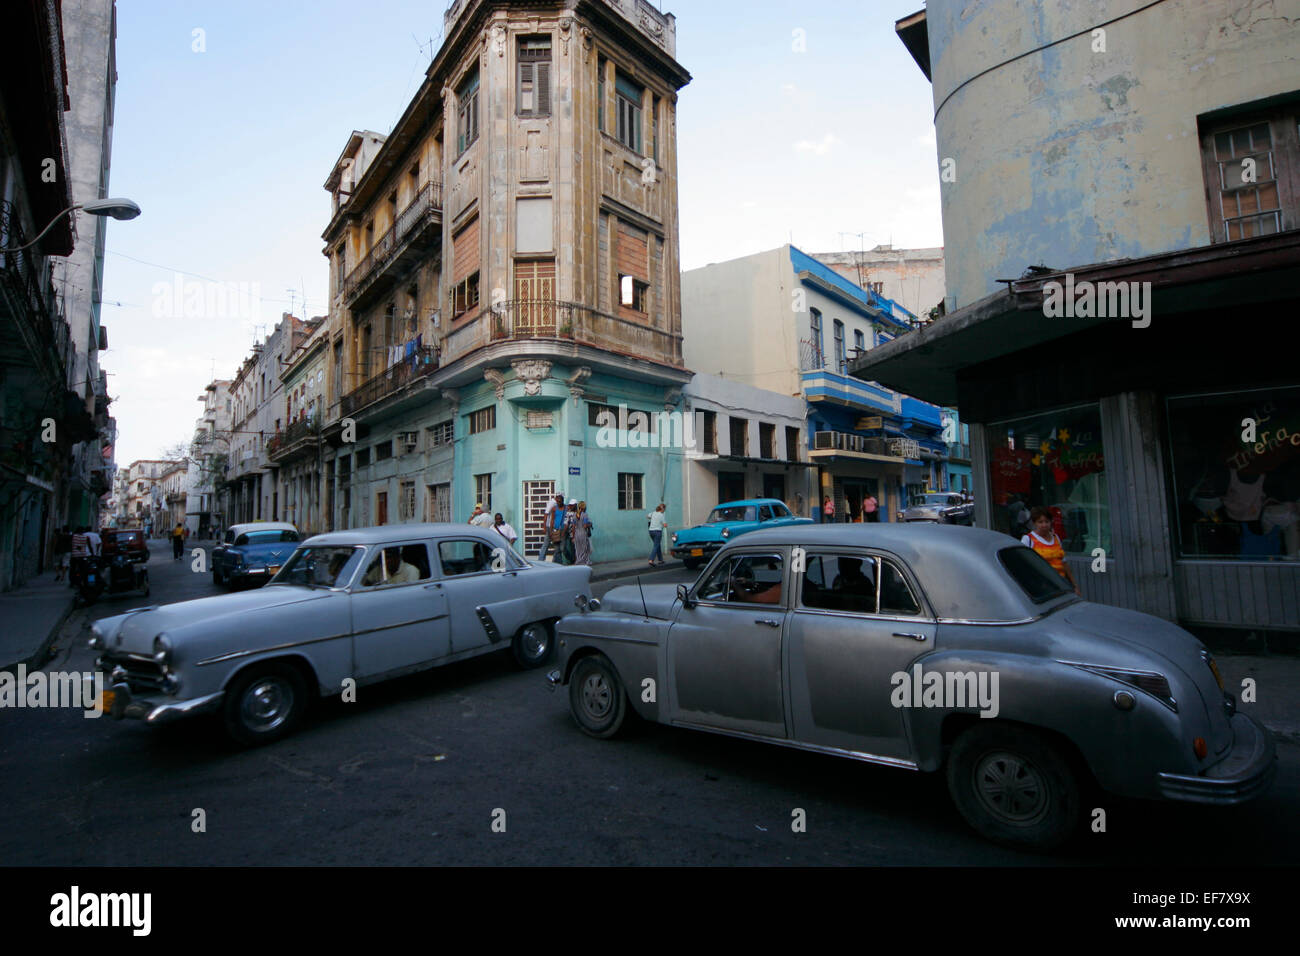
116 574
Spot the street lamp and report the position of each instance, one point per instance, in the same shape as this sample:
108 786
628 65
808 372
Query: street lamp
117 208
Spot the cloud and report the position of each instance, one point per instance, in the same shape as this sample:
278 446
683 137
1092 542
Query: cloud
820 148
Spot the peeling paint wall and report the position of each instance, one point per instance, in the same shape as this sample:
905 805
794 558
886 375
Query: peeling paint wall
1087 150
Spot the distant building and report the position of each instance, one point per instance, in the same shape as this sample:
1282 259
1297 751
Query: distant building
911 277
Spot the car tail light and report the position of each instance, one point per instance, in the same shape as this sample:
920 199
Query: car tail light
1199 748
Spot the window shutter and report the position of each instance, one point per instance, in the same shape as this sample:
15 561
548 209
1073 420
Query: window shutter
525 78
542 88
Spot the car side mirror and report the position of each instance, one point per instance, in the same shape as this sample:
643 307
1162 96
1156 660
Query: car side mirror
684 595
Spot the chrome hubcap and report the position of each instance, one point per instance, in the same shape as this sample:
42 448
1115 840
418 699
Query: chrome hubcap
534 641
266 704
596 696
1011 788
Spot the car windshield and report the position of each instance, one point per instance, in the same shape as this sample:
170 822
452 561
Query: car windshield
922 500
318 567
1034 574
733 513
265 537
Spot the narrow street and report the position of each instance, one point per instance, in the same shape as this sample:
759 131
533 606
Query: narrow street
413 771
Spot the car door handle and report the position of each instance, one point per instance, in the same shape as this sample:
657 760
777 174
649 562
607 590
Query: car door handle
913 636
435 585
768 621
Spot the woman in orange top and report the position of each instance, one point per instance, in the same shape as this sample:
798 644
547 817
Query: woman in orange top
1044 540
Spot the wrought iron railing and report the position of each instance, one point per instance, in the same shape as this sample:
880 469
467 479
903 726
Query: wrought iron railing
426 204
554 319
410 369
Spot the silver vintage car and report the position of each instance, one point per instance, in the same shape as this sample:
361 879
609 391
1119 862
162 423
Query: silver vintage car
362 605
928 647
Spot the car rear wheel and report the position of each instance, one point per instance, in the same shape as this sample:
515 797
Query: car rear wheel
264 703
1014 786
533 644
596 697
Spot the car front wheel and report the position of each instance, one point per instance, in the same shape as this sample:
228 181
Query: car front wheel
596 697
264 703
1014 786
533 644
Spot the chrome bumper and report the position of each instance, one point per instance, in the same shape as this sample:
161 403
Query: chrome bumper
1242 775
152 712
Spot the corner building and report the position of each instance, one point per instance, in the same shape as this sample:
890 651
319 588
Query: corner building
504 266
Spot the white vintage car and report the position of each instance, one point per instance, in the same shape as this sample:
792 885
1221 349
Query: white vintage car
366 605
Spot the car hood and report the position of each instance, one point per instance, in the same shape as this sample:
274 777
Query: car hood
659 600
133 632
713 532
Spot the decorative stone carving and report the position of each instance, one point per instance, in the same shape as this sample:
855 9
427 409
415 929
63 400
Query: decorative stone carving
673 396
566 28
587 42
575 381
532 372
498 380
499 40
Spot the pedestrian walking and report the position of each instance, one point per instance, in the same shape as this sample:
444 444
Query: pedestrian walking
1044 540
870 508
658 522
581 534
548 524
566 542
178 541
500 526
828 510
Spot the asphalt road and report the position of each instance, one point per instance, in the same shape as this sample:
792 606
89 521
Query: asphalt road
418 770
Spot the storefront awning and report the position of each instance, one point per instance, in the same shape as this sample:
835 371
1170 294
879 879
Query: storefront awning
1227 276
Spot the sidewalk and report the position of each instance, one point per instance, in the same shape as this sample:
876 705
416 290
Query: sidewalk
1277 689
30 616
608 570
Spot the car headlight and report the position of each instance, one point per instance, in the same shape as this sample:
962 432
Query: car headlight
98 641
1150 682
674 538
726 532
162 650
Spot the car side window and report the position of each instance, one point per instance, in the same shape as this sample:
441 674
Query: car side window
464 557
242 540
781 511
840 582
765 513
896 595
230 537
745 579
397 564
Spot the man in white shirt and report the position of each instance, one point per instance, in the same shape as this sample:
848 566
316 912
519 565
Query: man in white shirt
393 570
502 527
480 517
94 542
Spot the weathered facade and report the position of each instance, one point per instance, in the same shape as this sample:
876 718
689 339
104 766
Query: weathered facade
911 277
504 266
1140 199
209 453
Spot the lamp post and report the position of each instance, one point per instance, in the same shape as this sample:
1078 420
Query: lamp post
117 208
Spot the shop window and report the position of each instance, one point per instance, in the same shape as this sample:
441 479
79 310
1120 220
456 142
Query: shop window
1055 460
1235 498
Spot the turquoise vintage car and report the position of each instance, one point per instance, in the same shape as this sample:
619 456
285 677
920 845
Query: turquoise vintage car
731 518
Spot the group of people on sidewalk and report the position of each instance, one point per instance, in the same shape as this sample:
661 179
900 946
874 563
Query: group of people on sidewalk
569 531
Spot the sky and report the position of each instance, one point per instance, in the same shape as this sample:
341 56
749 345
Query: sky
804 122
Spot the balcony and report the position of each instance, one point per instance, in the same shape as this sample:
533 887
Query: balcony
388 383
517 319
418 229
299 440
959 452
30 321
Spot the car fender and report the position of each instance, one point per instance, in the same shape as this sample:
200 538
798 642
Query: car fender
1123 750
635 653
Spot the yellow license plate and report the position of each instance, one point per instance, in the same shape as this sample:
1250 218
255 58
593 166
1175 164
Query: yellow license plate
271 569
697 552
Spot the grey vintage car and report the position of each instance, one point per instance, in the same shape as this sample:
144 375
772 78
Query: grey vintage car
362 605
941 508
929 647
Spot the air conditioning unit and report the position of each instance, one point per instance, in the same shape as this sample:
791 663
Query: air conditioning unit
409 440
855 443
824 440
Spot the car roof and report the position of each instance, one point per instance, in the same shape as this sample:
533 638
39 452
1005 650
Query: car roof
956 566
750 501
239 529
404 532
